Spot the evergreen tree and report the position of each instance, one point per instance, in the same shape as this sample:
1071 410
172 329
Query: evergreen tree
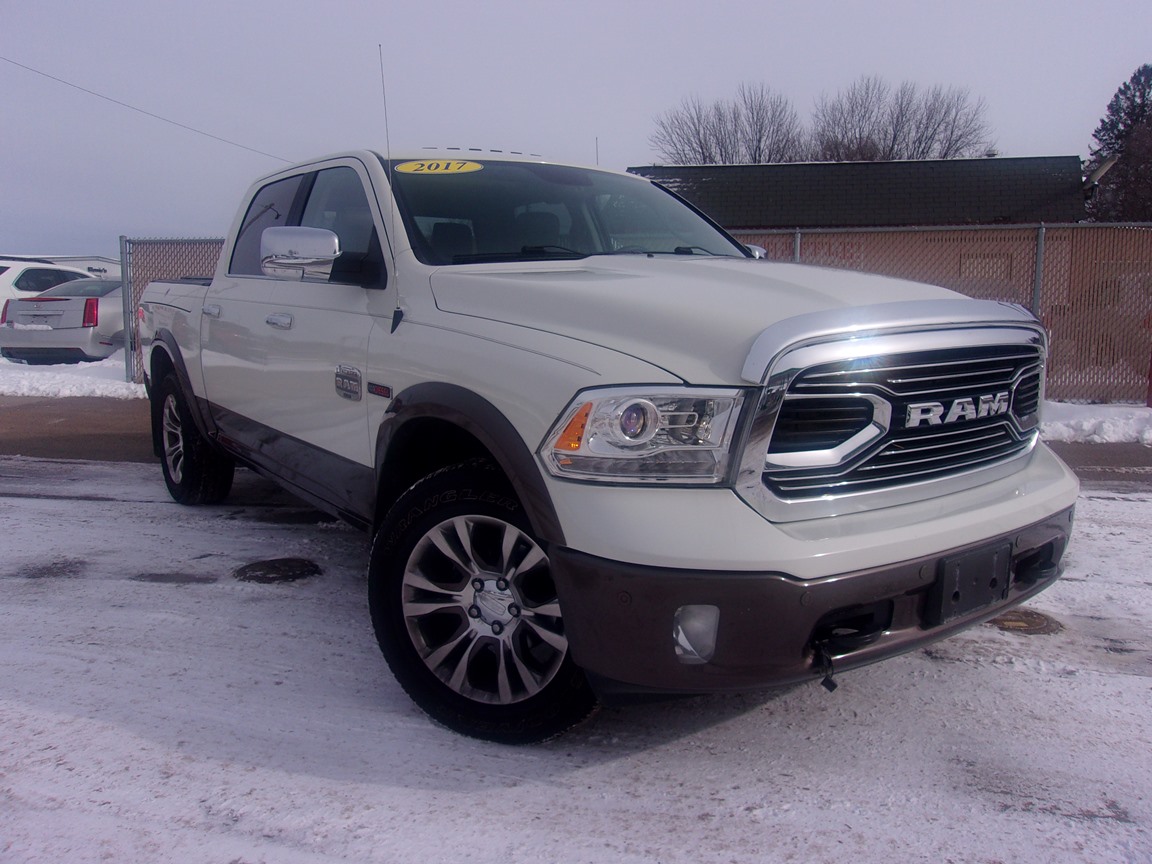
1124 193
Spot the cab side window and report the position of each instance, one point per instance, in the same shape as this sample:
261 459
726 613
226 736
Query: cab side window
271 207
337 203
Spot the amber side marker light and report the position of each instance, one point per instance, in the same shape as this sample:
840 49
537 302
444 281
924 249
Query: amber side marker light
572 437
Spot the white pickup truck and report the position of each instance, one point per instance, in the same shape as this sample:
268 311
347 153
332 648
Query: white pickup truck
601 448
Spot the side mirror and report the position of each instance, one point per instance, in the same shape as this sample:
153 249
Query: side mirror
298 253
757 251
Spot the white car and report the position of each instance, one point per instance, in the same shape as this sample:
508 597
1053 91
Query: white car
82 319
27 277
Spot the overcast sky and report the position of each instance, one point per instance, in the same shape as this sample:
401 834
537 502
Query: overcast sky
578 81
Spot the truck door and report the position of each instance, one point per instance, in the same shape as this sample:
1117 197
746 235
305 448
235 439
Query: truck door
233 335
318 332
284 363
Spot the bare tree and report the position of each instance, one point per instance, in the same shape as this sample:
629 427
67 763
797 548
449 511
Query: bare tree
947 125
850 127
866 122
869 121
757 126
770 129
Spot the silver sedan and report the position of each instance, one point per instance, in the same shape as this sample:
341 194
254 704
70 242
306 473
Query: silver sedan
77 321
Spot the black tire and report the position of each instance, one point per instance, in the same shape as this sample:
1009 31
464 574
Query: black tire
466 613
194 471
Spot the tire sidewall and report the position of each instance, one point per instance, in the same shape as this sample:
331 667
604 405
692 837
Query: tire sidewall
467 490
205 478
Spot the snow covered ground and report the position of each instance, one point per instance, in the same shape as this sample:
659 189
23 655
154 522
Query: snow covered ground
154 708
1096 424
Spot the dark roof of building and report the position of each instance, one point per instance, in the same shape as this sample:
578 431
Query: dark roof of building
991 191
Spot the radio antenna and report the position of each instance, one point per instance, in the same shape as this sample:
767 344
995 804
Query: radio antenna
398 314
384 94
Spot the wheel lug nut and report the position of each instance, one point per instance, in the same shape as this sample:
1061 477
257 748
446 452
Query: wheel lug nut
514 610
502 584
497 628
478 584
473 611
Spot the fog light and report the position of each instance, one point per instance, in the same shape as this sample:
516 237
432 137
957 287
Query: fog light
694 633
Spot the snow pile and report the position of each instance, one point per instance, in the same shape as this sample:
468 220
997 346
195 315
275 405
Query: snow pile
104 378
1096 424
1093 424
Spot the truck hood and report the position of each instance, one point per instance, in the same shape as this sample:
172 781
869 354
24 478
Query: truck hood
696 318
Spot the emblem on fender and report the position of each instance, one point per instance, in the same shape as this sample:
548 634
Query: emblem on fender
348 382
968 408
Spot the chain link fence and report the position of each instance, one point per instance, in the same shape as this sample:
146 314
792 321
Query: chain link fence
148 260
1091 285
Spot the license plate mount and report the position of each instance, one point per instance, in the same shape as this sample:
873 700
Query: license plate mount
969 581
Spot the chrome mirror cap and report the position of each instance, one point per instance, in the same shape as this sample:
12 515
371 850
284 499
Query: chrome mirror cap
298 253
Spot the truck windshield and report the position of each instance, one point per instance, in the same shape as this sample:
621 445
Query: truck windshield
466 212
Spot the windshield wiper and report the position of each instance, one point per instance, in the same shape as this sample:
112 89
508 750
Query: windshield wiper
526 253
679 250
551 249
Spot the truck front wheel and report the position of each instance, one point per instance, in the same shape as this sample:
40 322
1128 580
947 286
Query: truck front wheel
466 613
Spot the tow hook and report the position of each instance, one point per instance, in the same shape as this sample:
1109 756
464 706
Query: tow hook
837 641
824 664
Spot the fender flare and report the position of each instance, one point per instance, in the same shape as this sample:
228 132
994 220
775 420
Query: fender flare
197 407
483 421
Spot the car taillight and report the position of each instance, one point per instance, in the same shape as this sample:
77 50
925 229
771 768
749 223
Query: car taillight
4 312
91 312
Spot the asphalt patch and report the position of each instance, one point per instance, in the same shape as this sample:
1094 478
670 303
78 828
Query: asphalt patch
65 568
1027 622
277 570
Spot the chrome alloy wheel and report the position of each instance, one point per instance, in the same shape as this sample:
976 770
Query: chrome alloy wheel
481 609
173 438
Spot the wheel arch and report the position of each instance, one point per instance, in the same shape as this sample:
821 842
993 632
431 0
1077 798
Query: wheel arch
164 358
430 426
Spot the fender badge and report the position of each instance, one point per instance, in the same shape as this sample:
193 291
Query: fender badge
348 382
380 390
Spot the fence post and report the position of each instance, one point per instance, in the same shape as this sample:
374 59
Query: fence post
1148 398
1038 282
796 247
129 310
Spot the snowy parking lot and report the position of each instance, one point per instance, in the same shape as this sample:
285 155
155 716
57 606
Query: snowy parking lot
155 707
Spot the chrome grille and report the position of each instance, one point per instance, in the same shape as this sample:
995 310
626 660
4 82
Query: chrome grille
819 423
926 373
955 441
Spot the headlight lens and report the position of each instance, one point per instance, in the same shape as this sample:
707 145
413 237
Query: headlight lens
627 435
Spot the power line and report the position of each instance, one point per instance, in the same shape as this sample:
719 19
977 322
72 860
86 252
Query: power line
142 111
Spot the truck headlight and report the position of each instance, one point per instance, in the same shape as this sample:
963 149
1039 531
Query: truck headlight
634 435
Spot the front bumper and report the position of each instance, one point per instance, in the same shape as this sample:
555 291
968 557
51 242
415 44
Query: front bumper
773 628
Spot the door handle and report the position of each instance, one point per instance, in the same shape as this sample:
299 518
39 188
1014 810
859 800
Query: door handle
279 320
212 310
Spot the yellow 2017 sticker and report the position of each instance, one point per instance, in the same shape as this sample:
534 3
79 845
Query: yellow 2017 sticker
439 166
